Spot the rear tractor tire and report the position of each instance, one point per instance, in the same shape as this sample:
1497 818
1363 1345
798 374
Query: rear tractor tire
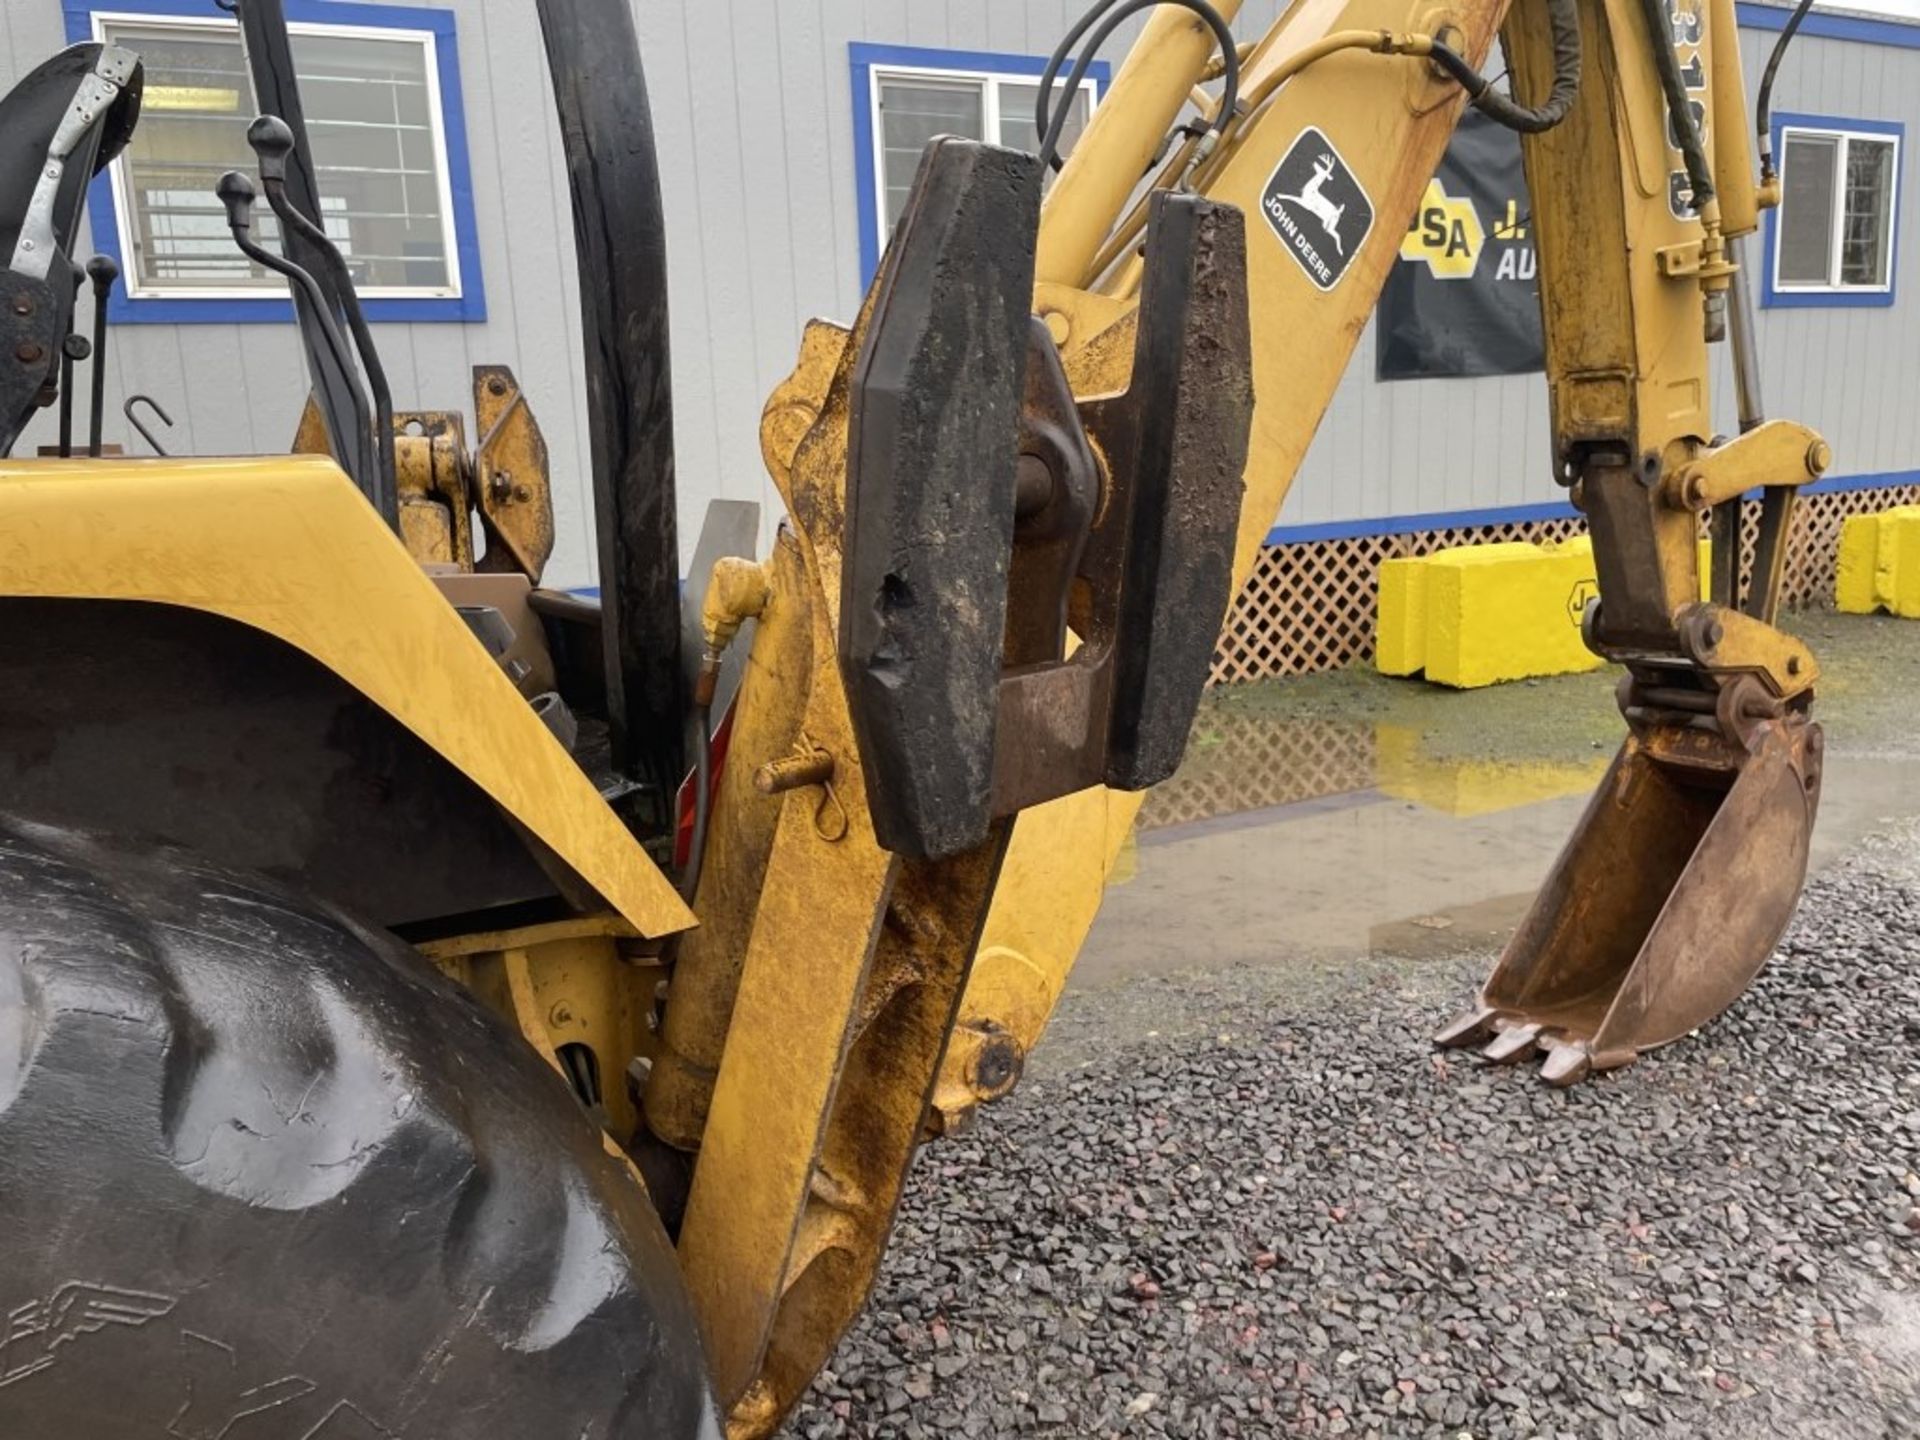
264 1175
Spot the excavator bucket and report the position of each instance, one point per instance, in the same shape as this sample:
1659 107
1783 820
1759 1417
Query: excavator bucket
1664 905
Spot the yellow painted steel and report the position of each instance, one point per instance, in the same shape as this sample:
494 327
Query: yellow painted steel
1733 173
1126 130
1778 452
846 991
1629 349
707 962
287 546
1390 117
568 982
504 482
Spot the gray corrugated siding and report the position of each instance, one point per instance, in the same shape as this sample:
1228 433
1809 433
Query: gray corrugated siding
754 111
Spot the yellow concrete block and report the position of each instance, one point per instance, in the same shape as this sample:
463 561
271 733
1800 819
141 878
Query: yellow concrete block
1400 630
1879 563
1480 614
1507 611
1897 569
1853 586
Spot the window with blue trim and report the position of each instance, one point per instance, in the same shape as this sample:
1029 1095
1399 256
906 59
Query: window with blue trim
1831 240
385 133
903 96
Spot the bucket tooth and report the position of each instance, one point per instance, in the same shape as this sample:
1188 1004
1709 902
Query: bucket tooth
1669 897
1475 1027
1513 1044
1567 1064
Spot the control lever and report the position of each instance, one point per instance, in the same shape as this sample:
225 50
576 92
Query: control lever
103 270
73 348
343 406
272 141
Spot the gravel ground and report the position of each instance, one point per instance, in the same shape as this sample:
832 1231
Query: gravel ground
1256 1204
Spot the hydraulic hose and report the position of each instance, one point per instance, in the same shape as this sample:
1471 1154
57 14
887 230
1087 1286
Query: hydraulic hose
1108 14
1692 149
702 801
1763 103
1563 16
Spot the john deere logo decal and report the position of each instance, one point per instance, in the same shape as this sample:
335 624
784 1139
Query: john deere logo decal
1317 208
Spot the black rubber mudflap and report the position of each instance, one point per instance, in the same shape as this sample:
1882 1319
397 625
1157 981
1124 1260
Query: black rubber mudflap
266 1175
1181 431
933 441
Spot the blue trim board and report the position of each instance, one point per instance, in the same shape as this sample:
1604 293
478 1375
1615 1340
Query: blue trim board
1549 510
1411 524
863 59
1776 299
1901 34
469 307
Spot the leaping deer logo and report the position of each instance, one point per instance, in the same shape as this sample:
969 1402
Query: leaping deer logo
1318 205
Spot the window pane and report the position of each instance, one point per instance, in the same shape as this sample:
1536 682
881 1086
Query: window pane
1869 213
1808 163
373 144
1016 117
193 125
370 124
912 112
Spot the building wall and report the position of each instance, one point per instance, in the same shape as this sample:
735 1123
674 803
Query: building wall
237 388
1842 370
753 109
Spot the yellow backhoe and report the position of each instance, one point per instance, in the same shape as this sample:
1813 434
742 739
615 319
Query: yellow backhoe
433 1004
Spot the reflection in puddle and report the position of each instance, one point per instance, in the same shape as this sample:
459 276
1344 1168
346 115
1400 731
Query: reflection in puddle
1295 839
1476 787
1346 814
1250 762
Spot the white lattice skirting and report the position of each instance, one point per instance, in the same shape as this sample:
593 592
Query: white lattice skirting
1310 605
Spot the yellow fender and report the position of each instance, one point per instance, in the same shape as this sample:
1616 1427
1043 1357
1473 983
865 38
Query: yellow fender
286 545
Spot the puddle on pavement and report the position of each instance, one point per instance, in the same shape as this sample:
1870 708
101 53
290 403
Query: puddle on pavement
1350 815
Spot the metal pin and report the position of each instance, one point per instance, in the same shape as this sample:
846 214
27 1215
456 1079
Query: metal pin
790 772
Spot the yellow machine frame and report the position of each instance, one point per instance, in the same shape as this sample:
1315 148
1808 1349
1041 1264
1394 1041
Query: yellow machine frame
838 1001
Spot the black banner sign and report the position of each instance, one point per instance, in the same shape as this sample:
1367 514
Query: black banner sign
1464 296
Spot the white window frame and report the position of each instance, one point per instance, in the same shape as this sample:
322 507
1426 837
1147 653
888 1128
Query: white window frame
276 294
1846 137
989 114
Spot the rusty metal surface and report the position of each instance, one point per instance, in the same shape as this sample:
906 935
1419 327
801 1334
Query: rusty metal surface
1057 492
512 483
1678 881
504 483
1156 573
32 317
